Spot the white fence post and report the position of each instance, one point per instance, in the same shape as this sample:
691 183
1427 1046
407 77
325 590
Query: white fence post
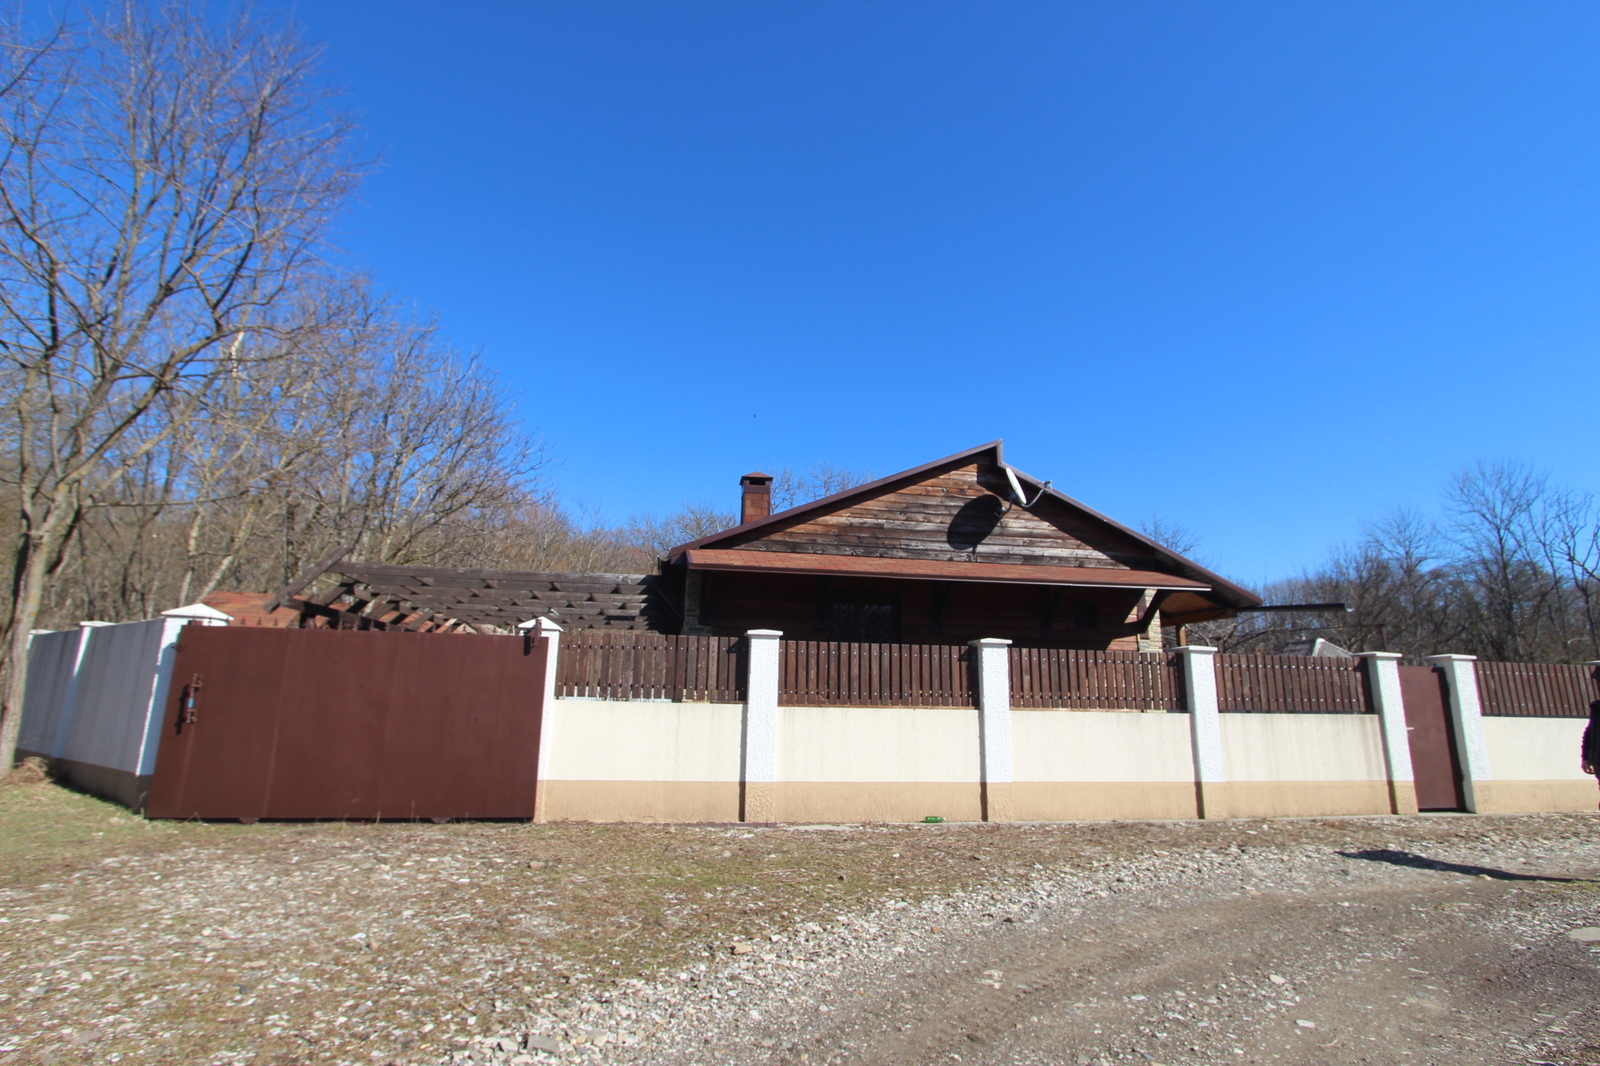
1383 681
994 726
547 637
758 777
1205 729
1466 719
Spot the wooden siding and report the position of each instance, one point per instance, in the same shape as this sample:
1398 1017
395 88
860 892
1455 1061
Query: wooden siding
930 612
925 520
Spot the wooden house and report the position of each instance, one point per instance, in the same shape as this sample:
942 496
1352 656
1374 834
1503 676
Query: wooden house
959 548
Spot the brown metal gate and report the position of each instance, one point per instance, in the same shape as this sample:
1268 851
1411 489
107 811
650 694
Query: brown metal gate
317 723
1434 763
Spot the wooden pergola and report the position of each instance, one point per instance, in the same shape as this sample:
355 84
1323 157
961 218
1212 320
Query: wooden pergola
443 600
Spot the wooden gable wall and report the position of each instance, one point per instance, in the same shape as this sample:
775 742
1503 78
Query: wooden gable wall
948 514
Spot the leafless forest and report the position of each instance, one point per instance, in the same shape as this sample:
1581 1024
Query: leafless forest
1508 570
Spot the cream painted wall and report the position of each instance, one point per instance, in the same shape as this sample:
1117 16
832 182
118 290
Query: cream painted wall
878 744
1534 749
637 761
1533 763
1050 745
1303 747
617 740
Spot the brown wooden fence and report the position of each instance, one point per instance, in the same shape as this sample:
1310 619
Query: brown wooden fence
1546 690
814 673
642 666
1294 684
1088 680
650 666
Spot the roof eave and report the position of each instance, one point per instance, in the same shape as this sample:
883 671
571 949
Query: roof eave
937 569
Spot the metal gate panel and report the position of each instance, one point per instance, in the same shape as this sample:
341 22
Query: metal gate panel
1434 762
338 694
229 681
509 770
293 723
439 735
470 747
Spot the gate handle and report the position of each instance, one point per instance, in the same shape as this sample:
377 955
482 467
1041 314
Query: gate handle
187 715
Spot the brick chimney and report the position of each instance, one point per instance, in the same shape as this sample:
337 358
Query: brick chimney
756 501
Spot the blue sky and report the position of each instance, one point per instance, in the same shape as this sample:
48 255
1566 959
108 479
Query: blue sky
1265 270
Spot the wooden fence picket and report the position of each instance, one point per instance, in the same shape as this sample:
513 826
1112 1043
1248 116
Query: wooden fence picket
1291 684
1551 690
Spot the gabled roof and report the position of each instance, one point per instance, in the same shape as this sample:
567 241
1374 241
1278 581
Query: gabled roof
1220 590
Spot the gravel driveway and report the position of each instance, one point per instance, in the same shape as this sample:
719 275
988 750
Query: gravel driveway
1272 951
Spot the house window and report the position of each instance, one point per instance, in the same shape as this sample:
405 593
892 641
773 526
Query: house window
865 617
1086 614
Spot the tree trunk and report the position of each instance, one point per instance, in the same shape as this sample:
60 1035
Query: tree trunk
24 614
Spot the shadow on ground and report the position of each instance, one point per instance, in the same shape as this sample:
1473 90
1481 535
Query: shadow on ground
1422 862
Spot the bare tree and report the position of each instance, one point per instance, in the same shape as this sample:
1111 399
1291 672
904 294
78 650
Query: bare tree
1574 548
164 181
423 443
1508 573
1172 536
226 473
820 479
1396 582
657 534
1497 522
539 534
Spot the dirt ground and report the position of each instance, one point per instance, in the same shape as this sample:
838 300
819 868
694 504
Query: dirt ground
1383 940
1302 959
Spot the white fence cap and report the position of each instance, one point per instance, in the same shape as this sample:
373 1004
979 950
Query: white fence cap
199 612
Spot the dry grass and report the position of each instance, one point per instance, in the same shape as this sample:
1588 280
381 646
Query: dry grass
124 940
